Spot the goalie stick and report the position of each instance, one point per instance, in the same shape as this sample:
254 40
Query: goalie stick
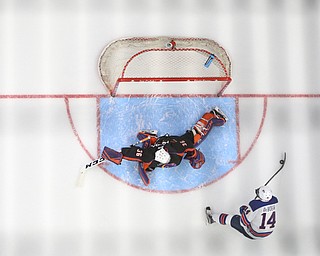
88 166
97 162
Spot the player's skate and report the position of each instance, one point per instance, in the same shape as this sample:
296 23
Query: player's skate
209 215
218 112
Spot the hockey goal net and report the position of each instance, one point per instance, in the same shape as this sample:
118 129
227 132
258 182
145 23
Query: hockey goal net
202 64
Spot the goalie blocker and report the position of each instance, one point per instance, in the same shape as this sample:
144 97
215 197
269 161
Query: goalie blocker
168 151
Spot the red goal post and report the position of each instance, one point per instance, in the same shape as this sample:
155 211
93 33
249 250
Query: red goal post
165 59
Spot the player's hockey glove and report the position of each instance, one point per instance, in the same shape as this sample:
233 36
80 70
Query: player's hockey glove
198 160
244 209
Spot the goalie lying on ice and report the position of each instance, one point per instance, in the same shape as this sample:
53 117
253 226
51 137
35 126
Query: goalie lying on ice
168 151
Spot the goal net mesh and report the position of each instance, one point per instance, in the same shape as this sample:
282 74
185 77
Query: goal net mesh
165 59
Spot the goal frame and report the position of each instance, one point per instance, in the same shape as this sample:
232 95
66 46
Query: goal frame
170 46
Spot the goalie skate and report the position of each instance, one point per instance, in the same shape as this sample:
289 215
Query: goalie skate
218 112
209 215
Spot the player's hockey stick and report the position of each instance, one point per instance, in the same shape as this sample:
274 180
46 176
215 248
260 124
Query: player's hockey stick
96 162
282 162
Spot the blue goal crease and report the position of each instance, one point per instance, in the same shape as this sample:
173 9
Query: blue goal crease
122 118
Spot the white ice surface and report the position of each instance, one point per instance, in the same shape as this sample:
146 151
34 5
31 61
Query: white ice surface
52 48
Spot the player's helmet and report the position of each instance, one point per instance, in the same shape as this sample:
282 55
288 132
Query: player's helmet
264 193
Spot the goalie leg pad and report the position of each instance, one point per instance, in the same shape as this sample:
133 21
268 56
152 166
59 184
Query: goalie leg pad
143 175
198 160
202 128
112 155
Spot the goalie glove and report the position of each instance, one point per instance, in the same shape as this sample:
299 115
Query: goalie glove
197 159
243 208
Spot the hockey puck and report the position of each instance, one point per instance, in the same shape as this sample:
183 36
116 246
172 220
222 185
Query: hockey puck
169 45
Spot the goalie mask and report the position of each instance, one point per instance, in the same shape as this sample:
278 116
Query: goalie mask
264 193
162 156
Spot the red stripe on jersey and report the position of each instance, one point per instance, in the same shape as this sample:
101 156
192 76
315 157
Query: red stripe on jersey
257 234
244 219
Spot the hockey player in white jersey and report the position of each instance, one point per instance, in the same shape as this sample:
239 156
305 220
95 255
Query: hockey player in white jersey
256 220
